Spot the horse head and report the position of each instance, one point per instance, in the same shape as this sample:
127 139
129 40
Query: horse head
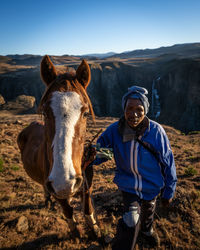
65 106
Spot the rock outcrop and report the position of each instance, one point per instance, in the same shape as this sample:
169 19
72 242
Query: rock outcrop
21 105
2 101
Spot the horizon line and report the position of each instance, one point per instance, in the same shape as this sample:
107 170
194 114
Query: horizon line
99 53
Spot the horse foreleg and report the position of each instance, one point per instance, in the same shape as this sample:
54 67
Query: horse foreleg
68 212
88 206
48 201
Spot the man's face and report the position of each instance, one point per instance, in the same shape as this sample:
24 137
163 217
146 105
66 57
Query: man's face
134 112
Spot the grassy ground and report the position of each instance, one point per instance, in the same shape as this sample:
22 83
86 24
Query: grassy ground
21 199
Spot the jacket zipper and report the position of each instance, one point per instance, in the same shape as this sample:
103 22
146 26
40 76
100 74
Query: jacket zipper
134 168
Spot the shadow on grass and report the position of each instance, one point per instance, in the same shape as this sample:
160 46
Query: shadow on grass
38 243
23 207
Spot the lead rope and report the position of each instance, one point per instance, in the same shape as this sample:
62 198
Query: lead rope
85 179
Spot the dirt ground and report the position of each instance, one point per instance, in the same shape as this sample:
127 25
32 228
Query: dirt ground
25 222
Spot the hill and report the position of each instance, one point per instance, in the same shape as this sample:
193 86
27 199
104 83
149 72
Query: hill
177 50
99 55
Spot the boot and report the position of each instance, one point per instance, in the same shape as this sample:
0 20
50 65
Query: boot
124 237
151 238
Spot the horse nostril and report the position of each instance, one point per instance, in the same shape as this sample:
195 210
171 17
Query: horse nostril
79 180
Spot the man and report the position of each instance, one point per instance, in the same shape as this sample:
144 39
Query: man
144 167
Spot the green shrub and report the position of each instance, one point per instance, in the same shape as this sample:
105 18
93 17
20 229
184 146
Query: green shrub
193 132
194 158
15 168
1 165
190 171
109 180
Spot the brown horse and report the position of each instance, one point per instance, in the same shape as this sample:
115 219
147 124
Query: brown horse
52 152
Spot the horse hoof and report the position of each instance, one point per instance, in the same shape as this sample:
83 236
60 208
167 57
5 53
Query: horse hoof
75 233
97 231
49 204
108 238
91 221
71 224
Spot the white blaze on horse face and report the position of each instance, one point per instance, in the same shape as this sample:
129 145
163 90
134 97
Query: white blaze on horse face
66 107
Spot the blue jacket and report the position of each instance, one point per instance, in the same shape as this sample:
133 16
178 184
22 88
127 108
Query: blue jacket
137 170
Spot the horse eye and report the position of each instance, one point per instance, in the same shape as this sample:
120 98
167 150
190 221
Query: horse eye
65 115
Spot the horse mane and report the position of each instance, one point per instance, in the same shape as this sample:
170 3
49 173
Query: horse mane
60 83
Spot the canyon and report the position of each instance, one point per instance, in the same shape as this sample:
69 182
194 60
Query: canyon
173 73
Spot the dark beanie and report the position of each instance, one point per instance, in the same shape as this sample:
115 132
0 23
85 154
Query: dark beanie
136 92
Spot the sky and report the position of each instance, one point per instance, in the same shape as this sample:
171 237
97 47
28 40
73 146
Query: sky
78 27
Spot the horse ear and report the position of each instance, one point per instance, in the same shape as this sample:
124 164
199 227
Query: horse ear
47 70
83 74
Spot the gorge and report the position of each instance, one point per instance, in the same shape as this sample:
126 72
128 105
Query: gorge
172 78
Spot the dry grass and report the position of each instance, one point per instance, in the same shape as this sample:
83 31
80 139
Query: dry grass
178 227
5 68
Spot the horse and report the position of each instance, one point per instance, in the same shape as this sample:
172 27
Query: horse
52 151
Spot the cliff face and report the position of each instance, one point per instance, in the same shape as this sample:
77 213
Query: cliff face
110 81
178 88
21 82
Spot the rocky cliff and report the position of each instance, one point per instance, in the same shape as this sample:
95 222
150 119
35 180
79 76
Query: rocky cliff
21 82
176 80
179 90
110 81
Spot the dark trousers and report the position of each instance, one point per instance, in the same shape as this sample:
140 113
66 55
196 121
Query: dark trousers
126 236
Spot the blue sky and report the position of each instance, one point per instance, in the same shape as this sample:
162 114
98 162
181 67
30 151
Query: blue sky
77 27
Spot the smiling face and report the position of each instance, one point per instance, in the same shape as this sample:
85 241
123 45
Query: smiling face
134 112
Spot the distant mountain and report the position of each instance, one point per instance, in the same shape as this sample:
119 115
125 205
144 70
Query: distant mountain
100 55
180 50
186 50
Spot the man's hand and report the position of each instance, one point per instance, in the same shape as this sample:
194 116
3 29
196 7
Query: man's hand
89 156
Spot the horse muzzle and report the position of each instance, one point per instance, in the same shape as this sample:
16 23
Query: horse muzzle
65 191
